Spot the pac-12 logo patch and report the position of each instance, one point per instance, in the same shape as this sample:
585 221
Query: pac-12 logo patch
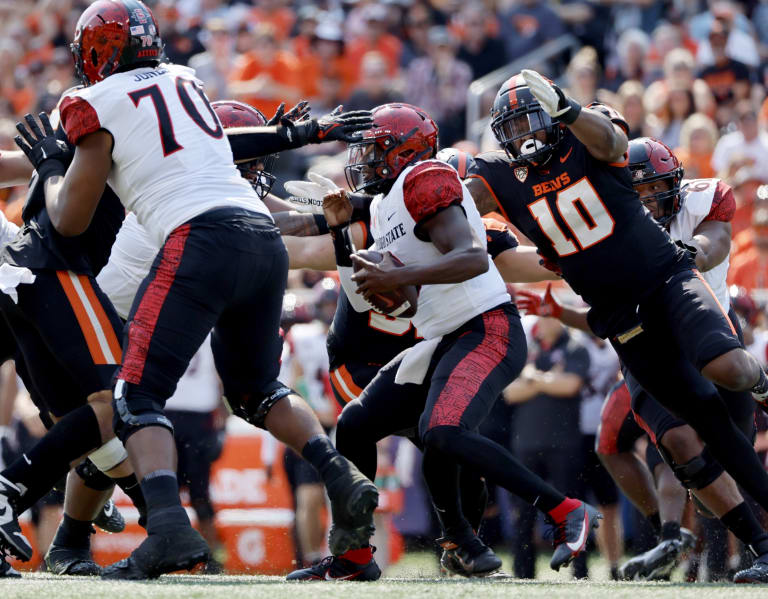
521 172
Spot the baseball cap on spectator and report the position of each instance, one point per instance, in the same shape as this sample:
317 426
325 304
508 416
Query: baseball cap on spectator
375 13
329 30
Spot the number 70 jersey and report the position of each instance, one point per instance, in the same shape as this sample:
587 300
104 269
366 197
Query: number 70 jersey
171 158
585 215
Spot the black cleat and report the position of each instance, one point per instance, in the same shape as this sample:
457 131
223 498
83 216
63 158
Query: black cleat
471 559
353 501
110 519
337 568
688 538
661 560
631 569
7 570
12 539
757 574
70 561
159 554
570 535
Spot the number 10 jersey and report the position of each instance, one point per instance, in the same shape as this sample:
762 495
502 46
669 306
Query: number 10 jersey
171 158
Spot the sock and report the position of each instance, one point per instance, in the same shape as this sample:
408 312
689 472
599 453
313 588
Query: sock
37 471
655 522
760 389
73 533
670 530
741 521
319 451
565 507
164 510
131 487
359 556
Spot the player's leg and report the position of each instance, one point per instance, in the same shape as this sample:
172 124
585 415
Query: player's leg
486 354
349 380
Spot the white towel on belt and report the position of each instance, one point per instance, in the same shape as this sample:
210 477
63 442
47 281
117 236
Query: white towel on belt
416 361
11 277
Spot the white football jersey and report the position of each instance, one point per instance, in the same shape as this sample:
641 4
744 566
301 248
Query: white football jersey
442 308
171 158
700 198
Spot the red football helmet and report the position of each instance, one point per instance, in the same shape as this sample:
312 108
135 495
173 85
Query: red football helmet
744 304
111 34
258 172
650 160
401 135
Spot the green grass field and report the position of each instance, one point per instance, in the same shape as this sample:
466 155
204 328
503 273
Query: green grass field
414 577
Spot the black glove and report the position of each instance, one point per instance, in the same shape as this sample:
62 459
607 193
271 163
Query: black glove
49 155
692 251
298 113
337 126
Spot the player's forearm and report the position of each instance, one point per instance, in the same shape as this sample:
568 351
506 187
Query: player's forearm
456 266
604 140
521 265
275 204
300 224
15 169
712 243
575 318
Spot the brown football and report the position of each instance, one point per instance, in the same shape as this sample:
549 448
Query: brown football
392 303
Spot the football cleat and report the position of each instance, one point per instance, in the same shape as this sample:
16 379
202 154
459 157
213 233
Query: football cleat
338 568
571 533
181 549
71 561
7 570
659 561
688 538
353 501
12 539
110 519
756 574
631 569
471 559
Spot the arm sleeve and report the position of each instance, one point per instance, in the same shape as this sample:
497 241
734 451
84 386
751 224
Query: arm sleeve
723 203
499 237
78 118
249 143
429 188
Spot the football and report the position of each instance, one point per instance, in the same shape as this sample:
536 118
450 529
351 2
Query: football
401 302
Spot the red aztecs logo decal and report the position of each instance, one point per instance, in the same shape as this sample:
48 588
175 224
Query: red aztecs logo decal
521 172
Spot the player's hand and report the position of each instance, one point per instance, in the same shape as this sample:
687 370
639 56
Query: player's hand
552 99
536 305
550 265
337 208
340 126
307 196
296 114
376 278
40 146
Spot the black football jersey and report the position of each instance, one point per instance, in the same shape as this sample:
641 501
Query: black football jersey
39 246
584 214
376 338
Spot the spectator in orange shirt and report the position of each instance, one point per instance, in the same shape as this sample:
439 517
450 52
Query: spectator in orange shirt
744 239
327 61
750 269
306 23
698 137
266 75
377 39
276 14
749 189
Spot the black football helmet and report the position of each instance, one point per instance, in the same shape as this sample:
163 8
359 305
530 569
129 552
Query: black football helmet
651 160
463 162
528 134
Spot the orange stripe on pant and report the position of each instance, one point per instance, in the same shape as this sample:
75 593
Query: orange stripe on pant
82 318
106 325
714 297
342 382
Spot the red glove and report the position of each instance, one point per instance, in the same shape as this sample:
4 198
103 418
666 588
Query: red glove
532 303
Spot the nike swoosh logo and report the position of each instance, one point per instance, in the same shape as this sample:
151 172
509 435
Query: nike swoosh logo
390 216
582 536
26 459
564 158
347 577
323 132
108 509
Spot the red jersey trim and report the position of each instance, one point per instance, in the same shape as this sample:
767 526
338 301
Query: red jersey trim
78 118
723 204
429 188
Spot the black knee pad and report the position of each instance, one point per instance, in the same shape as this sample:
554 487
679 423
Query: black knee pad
93 477
133 414
698 472
254 408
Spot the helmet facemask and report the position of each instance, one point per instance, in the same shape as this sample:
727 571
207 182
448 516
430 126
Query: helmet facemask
667 202
527 134
259 174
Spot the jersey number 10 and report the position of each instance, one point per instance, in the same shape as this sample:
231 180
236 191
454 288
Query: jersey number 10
167 137
584 213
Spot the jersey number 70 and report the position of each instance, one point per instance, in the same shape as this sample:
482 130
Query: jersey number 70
584 213
164 123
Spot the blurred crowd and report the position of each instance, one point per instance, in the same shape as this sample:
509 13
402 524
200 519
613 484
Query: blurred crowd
692 73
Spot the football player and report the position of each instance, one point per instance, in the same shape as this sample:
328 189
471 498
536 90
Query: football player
473 344
696 213
147 128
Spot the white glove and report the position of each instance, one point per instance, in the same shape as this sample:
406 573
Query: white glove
551 97
307 196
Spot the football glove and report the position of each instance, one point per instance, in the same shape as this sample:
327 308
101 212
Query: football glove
307 196
48 154
534 304
336 126
298 113
552 99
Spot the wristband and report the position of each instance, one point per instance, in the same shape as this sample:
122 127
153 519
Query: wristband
321 224
342 244
569 116
361 207
51 168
